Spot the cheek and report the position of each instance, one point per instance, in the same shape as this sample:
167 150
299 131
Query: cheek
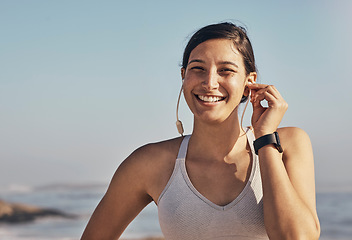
186 89
188 85
236 88
189 99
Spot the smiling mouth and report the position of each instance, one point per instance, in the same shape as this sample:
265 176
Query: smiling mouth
210 99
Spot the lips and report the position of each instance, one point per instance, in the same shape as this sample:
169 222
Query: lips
210 99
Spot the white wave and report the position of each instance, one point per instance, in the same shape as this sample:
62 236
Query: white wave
16 188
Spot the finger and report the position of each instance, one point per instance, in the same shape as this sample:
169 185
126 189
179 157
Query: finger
268 89
273 90
272 101
256 86
258 109
270 98
259 95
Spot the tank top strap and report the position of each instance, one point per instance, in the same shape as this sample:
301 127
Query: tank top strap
251 138
182 152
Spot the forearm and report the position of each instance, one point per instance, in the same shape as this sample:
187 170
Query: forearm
286 216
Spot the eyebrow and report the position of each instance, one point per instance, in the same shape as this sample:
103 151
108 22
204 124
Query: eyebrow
196 60
222 63
229 62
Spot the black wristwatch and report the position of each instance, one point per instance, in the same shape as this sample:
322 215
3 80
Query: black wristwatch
272 138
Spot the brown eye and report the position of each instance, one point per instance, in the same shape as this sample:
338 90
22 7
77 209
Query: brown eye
197 68
227 70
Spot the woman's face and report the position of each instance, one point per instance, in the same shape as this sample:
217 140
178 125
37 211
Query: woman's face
214 80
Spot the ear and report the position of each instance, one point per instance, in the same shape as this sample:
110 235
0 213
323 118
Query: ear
183 73
250 79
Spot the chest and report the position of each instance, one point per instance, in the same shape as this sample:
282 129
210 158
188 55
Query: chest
219 182
185 213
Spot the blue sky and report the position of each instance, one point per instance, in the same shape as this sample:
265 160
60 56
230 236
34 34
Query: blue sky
84 83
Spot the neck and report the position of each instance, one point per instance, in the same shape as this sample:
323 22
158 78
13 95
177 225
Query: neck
217 141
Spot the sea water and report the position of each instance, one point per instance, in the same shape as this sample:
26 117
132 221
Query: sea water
78 200
334 210
335 215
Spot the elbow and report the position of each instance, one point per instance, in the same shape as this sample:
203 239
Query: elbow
311 233
316 233
296 236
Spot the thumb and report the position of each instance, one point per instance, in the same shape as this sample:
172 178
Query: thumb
258 110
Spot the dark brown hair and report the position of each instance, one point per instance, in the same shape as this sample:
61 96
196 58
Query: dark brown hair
224 30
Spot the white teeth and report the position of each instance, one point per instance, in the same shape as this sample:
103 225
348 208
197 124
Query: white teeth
209 98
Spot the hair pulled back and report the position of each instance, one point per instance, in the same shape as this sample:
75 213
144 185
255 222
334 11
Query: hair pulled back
224 30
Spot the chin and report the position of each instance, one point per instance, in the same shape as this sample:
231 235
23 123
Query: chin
215 118
212 119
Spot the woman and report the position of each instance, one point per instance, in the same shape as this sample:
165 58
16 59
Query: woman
215 183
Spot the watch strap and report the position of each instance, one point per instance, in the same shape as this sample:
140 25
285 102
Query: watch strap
262 141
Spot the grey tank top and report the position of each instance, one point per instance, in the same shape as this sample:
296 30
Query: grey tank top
185 214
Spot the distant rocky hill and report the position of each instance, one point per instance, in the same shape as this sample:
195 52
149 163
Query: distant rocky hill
18 213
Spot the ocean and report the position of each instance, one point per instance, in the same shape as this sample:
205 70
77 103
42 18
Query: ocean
334 210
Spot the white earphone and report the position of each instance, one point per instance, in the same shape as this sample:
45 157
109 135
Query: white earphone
178 122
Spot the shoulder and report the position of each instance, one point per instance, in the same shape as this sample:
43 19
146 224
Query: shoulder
296 144
149 166
293 138
133 186
153 153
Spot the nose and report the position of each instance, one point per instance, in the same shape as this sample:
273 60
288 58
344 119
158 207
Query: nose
210 81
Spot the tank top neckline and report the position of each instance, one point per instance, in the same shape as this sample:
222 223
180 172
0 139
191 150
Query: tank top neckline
181 161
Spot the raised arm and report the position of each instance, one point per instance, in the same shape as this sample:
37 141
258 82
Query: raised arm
288 178
124 199
289 188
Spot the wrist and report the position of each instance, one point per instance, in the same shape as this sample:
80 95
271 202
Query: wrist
259 134
268 139
267 148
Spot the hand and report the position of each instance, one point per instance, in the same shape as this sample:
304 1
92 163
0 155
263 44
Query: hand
265 120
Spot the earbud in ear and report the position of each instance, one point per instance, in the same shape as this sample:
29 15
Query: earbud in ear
247 91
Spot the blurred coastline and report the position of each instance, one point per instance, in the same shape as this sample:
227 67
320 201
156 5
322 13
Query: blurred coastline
333 205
